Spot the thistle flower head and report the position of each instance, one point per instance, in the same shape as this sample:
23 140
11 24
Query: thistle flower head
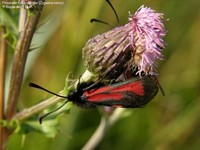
137 44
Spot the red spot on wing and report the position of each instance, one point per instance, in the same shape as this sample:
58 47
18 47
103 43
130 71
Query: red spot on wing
97 91
136 87
103 97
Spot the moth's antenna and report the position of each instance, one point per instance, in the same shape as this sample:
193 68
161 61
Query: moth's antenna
47 114
100 21
41 88
113 10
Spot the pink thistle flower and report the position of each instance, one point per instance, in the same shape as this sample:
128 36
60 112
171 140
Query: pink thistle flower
137 44
147 38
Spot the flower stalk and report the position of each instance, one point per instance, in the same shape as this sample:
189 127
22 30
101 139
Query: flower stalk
25 35
105 123
3 53
20 55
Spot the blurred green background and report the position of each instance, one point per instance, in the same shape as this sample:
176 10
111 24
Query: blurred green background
169 122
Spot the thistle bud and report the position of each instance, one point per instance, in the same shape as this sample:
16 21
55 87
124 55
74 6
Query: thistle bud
138 44
108 54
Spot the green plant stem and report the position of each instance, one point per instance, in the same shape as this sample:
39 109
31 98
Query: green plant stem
21 51
3 48
26 113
